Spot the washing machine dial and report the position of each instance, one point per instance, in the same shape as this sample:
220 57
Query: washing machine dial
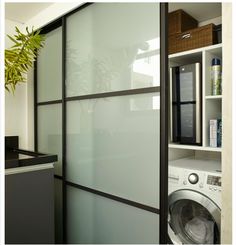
193 178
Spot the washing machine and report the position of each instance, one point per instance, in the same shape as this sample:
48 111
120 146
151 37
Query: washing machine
194 201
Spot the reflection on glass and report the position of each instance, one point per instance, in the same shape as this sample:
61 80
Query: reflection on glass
186 86
150 45
119 54
49 67
113 146
145 103
187 117
146 72
146 66
50 131
94 219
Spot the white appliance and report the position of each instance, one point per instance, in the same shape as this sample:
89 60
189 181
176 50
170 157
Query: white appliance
194 201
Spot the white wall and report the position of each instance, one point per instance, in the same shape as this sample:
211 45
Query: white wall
216 21
227 161
16 105
19 108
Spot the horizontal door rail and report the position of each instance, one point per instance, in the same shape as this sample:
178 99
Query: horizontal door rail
183 102
115 93
49 102
104 95
110 196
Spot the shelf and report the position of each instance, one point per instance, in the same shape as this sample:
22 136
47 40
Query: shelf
211 104
195 147
192 52
213 97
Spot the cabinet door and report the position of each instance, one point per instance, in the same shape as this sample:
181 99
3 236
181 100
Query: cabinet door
29 207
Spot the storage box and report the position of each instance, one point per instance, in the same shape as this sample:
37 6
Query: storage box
194 38
180 21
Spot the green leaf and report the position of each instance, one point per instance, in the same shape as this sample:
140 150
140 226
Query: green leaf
20 57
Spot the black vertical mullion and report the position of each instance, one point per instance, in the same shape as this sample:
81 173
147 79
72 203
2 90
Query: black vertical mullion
64 194
35 107
163 225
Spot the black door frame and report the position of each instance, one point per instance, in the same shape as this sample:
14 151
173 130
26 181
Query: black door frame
163 89
164 111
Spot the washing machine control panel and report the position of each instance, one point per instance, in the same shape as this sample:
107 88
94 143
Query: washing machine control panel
204 181
198 180
200 176
193 178
214 180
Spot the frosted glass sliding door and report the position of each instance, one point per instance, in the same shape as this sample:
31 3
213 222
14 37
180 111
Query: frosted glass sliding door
113 123
49 67
49 90
98 96
111 47
112 145
50 132
95 219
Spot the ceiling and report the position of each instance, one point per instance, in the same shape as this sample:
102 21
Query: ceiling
22 12
200 11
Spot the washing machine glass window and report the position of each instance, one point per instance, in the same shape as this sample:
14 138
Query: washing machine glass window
192 223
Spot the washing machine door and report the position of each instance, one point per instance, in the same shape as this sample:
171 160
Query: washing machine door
193 218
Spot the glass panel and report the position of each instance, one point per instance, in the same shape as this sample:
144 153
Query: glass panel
50 132
58 211
113 145
49 67
193 223
187 80
175 123
113 46
187 120
94 219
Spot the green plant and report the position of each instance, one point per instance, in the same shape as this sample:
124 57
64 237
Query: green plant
20 57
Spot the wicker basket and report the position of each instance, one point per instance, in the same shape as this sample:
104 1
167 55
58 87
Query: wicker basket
195 38
180 21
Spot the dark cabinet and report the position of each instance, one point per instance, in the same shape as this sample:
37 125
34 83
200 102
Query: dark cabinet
29 205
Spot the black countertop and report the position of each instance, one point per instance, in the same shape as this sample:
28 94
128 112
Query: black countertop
21 158
15 157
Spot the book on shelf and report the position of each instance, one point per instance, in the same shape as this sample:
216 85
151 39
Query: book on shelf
215 132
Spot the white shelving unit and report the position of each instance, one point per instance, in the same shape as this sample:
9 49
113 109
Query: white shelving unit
213 97
211 104
194 147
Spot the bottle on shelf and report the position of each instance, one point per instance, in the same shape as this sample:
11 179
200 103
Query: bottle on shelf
216 77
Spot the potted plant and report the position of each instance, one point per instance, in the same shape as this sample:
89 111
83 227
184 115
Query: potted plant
20 57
